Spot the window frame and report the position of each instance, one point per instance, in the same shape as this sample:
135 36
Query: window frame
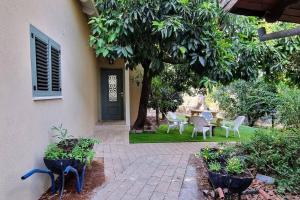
42 94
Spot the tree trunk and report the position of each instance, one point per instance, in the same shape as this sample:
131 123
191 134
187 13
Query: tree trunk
146 88
157 116
163 112
251 121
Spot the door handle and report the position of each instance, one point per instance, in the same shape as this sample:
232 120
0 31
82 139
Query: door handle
122 94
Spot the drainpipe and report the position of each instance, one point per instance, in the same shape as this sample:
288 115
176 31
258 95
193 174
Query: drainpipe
263 36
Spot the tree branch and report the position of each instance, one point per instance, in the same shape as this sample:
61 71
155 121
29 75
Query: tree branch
171 60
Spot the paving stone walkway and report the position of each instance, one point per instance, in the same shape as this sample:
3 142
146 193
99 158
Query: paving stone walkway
144 171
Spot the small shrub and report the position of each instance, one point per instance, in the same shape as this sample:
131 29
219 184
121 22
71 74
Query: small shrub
53 152
276 154
253 99
81 154
289 107
86 143
214 167
209 154
235 166
62 134
67 148
228 151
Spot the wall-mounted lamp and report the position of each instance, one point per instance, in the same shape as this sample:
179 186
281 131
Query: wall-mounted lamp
110 61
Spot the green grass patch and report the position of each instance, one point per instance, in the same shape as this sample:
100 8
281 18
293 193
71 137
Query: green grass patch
161 135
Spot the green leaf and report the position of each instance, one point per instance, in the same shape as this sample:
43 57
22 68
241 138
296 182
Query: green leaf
184 2
105 52
129 50
202 61
112 37
182 50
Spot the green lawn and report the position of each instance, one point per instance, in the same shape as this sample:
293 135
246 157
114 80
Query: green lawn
161 135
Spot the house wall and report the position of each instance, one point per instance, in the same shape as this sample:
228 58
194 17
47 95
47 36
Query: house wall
24 123
136 77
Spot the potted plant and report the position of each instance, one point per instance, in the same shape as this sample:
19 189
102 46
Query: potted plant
217 175
68 151
209 154
226 169
239 178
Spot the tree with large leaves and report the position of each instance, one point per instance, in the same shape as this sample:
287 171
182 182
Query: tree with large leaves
152 33
168 87
289 49
195 34
253 99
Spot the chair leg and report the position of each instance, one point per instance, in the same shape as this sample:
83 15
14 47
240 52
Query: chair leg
238 132
193 133
204 134
180 129
210 131
227 132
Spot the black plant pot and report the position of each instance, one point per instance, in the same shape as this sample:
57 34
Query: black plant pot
78 165
237 184
218 179
59 165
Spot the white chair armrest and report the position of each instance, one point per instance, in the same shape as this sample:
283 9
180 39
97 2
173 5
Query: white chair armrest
226 127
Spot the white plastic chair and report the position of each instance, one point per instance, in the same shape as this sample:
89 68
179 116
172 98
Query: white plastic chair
200 125
236 125
175 122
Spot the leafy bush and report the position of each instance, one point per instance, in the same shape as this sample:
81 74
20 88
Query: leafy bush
235 166
289 107
66 148
208 154
82 154
253 99
87 143
276 154
82 151
164 96
53 152
62 133
214 167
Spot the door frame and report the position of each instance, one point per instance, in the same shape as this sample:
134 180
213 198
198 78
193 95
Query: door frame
101 104
126 89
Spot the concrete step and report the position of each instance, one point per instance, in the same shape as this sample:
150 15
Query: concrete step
112 133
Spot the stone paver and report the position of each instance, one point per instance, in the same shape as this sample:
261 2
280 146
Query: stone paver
144 171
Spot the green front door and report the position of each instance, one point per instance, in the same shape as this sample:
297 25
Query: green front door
112 94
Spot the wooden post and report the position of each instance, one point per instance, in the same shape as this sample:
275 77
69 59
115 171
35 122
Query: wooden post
263 36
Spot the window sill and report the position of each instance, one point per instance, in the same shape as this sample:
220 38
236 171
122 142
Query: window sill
46 98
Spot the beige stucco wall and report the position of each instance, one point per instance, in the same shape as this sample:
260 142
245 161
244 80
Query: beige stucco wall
135 77
24 123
